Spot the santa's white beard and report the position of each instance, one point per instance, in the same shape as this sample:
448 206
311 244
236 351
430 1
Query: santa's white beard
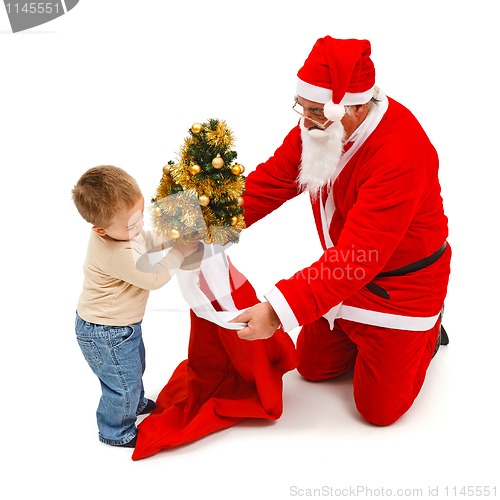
321 151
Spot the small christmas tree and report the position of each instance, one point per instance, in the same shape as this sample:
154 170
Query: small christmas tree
200 194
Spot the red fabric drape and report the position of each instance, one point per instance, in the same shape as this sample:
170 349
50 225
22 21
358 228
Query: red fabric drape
223 381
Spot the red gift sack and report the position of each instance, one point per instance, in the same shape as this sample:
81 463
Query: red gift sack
223 381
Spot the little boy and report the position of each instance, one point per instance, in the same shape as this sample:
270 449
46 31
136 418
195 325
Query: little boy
117 281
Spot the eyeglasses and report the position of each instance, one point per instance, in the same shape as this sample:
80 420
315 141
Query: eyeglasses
317 113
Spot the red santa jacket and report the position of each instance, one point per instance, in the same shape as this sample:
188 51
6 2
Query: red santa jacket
388 213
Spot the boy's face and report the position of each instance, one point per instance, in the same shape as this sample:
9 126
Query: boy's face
126 225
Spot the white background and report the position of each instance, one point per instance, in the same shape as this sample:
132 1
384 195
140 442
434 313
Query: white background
120 82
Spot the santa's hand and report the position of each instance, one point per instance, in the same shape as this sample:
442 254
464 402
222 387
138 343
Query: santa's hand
261 322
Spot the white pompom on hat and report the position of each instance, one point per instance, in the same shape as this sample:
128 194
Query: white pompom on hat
334 112
337 73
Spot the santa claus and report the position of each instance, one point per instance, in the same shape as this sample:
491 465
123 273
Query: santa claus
372 302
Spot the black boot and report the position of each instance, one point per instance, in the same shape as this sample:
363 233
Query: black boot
444 336
441 340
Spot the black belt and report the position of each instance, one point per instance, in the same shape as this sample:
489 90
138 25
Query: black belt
402 271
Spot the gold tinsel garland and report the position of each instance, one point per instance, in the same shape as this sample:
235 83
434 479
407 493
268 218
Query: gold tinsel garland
200 195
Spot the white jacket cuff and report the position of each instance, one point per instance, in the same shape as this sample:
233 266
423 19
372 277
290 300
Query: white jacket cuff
282 309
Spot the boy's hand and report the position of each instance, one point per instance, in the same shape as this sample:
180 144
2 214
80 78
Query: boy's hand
193 255
186 248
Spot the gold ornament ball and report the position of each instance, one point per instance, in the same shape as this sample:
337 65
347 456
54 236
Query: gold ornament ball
174 234
242 168
194 169
239 201
157 212
236 169
166 169
218 162
203 200
196 128
234 221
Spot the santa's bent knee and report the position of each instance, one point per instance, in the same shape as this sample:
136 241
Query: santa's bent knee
311 374
381 414
315 373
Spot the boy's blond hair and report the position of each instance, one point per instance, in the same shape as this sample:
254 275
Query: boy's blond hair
102 192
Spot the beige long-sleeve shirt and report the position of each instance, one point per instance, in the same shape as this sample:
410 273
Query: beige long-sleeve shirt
118 277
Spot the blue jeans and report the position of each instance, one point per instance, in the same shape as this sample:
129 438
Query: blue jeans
117 356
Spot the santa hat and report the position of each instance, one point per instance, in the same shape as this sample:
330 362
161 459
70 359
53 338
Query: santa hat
337 73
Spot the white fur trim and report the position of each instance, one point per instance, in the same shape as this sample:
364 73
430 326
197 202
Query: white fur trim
384 320
350 99
322 95
312 92
285 314
215 269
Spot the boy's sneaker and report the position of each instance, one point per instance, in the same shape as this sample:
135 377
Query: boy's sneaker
130 444
150 406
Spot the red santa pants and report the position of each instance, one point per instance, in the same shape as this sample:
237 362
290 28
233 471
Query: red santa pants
389 365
